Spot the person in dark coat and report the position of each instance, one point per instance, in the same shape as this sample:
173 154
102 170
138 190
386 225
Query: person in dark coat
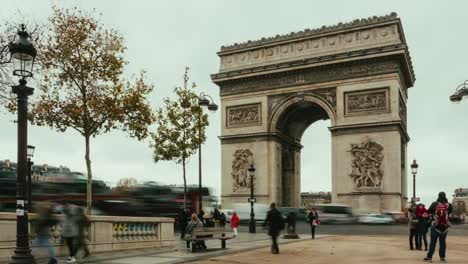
83 224
275 223
313 220
183 222
222 220
421 226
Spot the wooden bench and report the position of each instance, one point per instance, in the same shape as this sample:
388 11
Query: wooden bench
208 233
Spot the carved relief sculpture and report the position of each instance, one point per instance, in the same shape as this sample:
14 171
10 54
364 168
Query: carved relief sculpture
240 164
366 101
244 115
366 164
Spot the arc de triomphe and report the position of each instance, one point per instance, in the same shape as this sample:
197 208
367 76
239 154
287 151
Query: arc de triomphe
356 74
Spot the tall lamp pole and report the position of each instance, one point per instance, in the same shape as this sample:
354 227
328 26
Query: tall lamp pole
414 171
207 101
23 55
30 164
252 200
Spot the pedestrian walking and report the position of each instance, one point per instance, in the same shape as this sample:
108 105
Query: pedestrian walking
183 222
412 221
422 216
439 210
216 217
70 231
222 220
44 222
314 221
275 223
83 225
235 221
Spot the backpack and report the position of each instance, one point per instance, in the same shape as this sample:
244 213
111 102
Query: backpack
441 216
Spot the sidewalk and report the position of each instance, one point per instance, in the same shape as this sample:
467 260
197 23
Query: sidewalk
348 249
180 254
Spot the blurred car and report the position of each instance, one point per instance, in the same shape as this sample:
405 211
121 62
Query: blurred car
376 219
398 217
301 214
334 213
228 213
243 211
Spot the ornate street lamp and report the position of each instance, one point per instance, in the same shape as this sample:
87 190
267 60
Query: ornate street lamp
460 92
207 101
23 55
30 164
414 171
252 200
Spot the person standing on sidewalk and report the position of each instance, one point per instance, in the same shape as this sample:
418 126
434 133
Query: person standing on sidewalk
235 221
70 231
44 222
412 221
421 214
440 210
183 222
276 223
83 225
313 220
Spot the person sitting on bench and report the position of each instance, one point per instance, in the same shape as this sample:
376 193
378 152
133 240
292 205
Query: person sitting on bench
194 222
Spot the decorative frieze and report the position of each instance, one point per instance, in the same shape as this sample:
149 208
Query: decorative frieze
240 164
309 76
402 111
244 115
366 163
367 102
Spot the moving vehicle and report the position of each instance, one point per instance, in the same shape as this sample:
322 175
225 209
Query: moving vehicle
301 214
376 219
334 213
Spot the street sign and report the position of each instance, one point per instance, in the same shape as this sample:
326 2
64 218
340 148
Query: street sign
252 200
416 199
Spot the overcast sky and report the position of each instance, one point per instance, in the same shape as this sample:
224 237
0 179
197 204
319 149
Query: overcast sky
163 37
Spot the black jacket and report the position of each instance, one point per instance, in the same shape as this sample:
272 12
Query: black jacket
275 222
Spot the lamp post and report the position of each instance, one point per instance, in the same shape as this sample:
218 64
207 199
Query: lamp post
252 200
414 171
460 92
23 54
30 164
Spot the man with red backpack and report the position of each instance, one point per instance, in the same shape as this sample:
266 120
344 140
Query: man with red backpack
440 211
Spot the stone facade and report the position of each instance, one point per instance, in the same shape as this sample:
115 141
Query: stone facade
355 74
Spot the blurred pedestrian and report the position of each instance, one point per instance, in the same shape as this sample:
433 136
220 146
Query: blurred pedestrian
440 211
70 231
183 222
45 221
412 221
275 222
421 215
83 225
208 220
200 215
314 221
216 217
222 220
235 221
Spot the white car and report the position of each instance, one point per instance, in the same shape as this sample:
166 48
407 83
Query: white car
375 219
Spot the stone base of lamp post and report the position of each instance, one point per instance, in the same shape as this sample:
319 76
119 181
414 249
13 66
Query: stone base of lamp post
291 227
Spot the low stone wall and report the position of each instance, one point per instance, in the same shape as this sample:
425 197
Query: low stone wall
105 233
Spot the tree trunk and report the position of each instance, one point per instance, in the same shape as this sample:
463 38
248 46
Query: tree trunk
89 183
185 182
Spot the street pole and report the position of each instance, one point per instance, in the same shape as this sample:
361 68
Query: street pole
22 251
200 206
414 187
252 215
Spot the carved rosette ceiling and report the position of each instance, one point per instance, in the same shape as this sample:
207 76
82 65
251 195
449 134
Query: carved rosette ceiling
366 163
244 115
240 164
367 102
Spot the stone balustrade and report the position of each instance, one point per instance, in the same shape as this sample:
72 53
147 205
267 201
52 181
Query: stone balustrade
105 233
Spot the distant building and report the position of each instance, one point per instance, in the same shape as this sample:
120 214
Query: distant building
460 201
308 199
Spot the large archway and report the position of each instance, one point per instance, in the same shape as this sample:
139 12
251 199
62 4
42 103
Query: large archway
356 75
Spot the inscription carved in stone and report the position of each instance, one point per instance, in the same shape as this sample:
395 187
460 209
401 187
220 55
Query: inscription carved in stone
366 164
367 101
240 164
244 115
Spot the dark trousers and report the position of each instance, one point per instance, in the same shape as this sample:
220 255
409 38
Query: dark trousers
274 245
442 246
71 247
82 245
413 237
312 230
421 237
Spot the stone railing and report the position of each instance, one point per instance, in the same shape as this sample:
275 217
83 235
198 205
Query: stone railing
105 233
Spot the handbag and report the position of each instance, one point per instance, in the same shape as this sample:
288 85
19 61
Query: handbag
316 222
